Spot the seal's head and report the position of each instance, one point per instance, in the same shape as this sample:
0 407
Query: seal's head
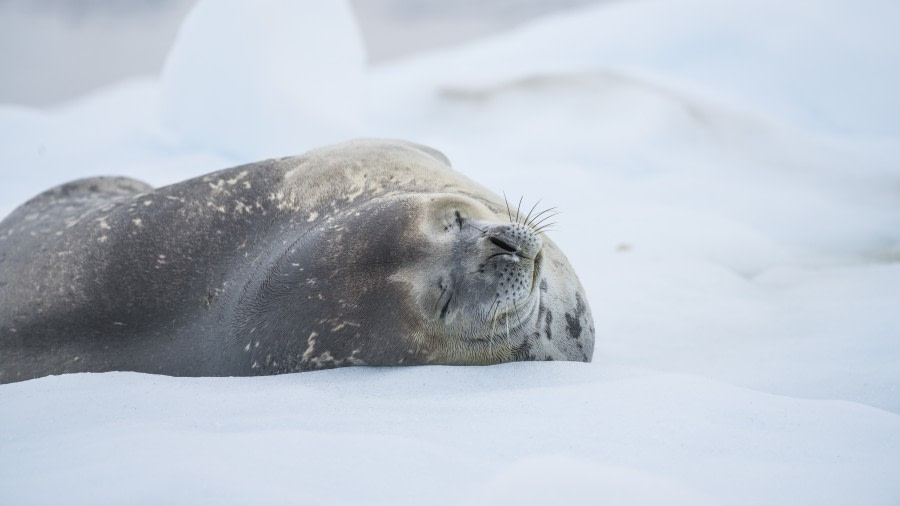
406 261
422 278
487 287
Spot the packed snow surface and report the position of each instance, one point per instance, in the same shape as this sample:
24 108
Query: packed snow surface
729 176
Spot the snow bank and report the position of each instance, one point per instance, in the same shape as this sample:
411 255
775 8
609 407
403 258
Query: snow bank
264 79
511 434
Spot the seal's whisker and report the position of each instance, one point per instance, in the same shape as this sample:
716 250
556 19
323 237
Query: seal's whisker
544 227
544 221
490 311
538 215
495 312
531 211
497 315
545 218
519 207
508 213
547 214
517 312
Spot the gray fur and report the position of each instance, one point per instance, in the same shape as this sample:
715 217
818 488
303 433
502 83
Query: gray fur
369 252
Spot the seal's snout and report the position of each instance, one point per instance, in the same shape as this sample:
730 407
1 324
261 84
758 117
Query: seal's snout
511 266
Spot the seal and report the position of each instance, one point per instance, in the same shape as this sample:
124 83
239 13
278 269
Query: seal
370 252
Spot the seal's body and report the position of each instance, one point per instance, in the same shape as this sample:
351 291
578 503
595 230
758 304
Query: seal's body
369 252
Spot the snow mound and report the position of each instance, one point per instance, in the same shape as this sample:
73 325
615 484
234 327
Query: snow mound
512 434
264 79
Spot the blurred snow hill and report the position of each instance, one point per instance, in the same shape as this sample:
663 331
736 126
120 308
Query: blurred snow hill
825 66
829 66
253 78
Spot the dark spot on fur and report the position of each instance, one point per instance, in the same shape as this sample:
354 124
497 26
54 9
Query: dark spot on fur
548 321
573 326
573 322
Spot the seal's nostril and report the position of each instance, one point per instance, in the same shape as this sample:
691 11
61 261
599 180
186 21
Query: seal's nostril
500 243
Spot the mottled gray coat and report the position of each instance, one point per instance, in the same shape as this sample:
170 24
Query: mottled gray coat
369 252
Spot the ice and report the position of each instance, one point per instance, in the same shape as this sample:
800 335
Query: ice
727 176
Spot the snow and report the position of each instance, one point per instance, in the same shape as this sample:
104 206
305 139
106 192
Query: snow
573 433
728 178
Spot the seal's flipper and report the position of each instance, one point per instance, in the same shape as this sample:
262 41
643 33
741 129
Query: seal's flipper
74 198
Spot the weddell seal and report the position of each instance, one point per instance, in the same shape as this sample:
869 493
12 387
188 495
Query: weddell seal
370 252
